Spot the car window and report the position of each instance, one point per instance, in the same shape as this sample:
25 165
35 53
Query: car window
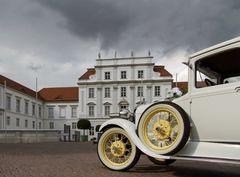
231 79
221 68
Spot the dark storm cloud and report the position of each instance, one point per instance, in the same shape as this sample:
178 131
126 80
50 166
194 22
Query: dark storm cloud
92 19
141 24
60 38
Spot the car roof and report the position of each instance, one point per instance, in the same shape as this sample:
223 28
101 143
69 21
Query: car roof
232 41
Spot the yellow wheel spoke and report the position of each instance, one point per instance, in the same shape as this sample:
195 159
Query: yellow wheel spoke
118 148
161 129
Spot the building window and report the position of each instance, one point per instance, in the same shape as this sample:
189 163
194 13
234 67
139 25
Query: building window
91 131
50 112
8 102
51 125
33 124
39 111
123 91
74 111
107 76
33 109
17 122
18 105
91 92
107 110
26 107
74 125
62 112
40 125
140 74
107 92
123 74
91 111
8 121
26 123
157 91
140 91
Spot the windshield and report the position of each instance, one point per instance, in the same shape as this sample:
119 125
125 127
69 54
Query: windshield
221 68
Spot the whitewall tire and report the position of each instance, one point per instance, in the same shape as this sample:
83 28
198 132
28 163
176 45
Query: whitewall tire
116 150
164 128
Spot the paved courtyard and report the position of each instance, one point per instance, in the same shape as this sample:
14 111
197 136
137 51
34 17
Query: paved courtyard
80 159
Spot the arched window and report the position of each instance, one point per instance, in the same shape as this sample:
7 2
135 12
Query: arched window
107 108
91 109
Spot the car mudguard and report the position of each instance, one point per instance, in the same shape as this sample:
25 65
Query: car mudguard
130 128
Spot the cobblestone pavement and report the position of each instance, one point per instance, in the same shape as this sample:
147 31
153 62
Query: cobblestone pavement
80 160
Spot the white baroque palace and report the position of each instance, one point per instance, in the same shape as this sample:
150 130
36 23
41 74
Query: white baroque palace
120 83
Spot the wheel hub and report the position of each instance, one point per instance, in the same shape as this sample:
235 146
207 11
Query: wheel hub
161 129
118 148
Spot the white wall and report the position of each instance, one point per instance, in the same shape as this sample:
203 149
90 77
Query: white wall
21 115
1 96
57 120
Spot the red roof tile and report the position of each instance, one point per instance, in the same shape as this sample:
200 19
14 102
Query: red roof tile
59 94
161 69
16 86
183 86
86 75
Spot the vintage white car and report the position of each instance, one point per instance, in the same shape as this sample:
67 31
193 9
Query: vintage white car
202 125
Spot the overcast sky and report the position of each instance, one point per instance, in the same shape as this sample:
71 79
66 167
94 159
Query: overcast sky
56 40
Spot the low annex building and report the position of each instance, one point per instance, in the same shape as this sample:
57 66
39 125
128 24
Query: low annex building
22 109
19 108
60 107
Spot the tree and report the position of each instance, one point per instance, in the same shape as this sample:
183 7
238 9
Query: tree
84 124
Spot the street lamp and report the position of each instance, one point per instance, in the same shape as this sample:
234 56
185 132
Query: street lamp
36 126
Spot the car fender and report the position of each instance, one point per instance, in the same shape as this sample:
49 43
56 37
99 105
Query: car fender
130 128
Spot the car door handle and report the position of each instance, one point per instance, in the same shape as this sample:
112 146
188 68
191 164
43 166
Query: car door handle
237 89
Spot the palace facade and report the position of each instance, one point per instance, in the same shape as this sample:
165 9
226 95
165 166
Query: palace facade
120 83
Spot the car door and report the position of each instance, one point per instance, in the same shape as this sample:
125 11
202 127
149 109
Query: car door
215 104
215 112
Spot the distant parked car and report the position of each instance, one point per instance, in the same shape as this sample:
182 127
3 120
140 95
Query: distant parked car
204 124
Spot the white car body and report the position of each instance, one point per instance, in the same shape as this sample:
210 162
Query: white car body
214 114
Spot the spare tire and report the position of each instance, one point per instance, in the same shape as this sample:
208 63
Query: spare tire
164 128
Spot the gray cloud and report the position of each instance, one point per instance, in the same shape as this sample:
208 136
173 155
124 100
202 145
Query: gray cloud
35 67
93 19
61 38
137 24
